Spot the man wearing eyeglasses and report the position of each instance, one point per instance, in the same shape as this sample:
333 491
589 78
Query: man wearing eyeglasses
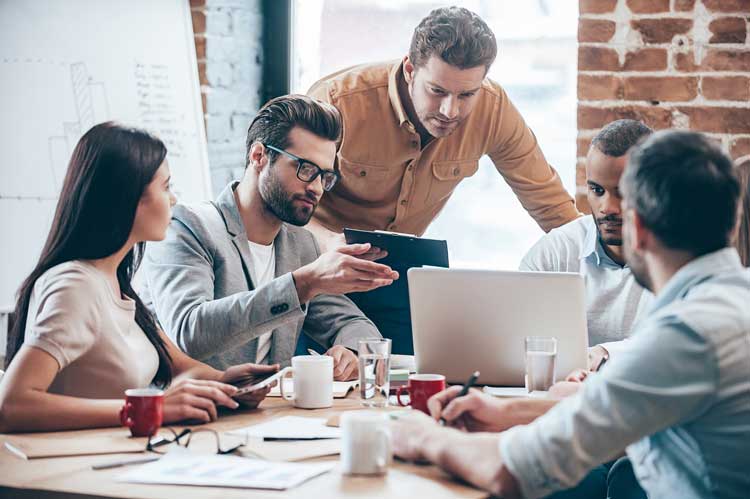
240 278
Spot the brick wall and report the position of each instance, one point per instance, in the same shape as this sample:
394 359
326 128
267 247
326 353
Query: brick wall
228 45
670 63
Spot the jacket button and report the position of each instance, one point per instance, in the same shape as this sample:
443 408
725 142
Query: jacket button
362 173
456 171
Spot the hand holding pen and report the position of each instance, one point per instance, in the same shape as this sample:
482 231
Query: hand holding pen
461 393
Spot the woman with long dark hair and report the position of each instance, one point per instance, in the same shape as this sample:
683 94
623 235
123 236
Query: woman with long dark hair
81 335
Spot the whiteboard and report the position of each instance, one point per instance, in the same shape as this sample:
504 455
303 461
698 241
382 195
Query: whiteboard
67 65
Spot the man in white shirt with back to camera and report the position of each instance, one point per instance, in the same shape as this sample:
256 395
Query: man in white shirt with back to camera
592 246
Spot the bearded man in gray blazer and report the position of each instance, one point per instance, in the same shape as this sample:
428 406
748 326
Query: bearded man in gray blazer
238 279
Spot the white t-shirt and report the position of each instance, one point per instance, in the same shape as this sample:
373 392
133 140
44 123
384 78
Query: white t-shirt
76 317
262 271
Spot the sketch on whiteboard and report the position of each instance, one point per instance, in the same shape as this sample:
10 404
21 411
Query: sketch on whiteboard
92 107
98 61
158 112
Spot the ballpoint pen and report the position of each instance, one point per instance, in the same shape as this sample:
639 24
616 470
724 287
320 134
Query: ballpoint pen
312 352
117 464
472 379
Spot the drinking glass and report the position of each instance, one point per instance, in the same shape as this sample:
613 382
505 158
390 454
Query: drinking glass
541 354
374 371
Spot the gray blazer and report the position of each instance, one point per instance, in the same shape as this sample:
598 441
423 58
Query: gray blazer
198 285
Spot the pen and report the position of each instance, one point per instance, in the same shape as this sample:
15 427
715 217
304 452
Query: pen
117 464
16 451
601 363
294 439
472 379
312 352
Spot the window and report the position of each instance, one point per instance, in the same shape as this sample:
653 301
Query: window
483 222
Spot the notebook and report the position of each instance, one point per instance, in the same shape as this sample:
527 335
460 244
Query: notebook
340 388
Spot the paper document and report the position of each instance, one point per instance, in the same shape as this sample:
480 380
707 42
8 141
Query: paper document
340 388
291 450
181 467
403 362
513 391
290 428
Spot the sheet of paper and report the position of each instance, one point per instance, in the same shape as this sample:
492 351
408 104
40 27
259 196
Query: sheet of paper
293 450
403 362
290 427
513 391
187 468
340 388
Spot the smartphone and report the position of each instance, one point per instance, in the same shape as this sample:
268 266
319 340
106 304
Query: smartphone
261 382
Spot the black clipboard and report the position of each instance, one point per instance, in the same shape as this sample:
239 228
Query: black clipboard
403 250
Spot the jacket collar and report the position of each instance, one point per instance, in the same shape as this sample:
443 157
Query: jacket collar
284 241
395 99
696 271
227 206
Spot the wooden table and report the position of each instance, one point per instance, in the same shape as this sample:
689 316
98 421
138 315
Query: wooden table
73 476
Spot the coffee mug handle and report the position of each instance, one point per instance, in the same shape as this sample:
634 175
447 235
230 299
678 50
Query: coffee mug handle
125 418
398 396
290 396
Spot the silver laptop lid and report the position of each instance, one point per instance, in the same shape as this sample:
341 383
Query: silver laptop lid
467 320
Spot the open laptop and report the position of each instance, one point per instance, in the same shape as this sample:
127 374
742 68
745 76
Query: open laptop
468 320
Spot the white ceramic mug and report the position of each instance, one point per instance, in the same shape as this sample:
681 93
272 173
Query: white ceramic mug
313 381
366 443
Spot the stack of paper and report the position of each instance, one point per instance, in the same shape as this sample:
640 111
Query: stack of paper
290 428
513 391
182 467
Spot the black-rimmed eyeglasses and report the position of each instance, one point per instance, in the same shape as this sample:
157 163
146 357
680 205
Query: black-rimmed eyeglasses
308 171
185 437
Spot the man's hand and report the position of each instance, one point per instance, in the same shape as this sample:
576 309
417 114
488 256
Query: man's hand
472 457
345 363
563 389
476 411
341 271
577 376
247 374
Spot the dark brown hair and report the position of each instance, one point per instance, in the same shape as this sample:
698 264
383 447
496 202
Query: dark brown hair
743 236
278 116
456 35
664 177
109 170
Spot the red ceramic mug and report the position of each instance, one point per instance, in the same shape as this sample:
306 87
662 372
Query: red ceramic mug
143 411
421 387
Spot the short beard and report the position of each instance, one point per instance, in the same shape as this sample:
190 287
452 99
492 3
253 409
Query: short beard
608 240
280 203
637 266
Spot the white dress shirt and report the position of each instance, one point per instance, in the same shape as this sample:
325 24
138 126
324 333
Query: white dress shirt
614 300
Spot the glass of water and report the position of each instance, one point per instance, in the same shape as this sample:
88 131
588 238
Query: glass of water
374 371
541 353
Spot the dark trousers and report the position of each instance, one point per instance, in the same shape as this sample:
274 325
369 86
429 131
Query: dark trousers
613 480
